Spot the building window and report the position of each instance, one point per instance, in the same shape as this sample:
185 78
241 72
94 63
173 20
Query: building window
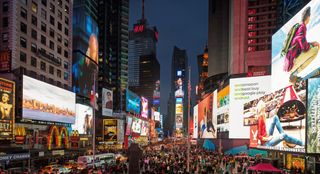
43 66
52 8
23 27
43 14
51 69
43 40
5 6
42 78
66 31
59 73
43 27
66 65
44 2
66 43
59 49
23 13
66 20
33 47
59 14
51 55
34 7
23 42
33 62
34 34
66 9
51 32
51 20
34 20
59 38
51 45
59 26
5 37
5 22
23 57
66 76
66 54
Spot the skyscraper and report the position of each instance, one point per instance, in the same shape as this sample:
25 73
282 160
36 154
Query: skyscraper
202 60
113 21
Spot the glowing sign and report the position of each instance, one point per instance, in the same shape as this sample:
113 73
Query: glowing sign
138 28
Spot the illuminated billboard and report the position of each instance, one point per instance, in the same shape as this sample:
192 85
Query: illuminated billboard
144 128
45 102
279 120
136 125
195 121
7 108
179 93
84 119
206 123
243 90
156 116
107 102
145 107
156 93
179 113
128 127
132 102
295 48
110 130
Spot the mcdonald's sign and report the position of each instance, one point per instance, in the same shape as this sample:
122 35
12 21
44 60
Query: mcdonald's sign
58 133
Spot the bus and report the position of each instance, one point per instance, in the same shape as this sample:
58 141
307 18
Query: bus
100 159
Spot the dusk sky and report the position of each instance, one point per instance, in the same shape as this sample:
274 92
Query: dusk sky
181 23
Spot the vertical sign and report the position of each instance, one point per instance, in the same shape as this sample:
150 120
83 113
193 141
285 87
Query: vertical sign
7 105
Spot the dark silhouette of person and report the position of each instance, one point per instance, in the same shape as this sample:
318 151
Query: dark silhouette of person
134 154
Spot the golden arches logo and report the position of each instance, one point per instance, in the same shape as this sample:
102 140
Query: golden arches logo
54 130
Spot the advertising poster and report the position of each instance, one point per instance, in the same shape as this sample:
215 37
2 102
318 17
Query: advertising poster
84 119
45 102
144 128
206 125
7 108
223 97
110 130
195 122
313 126
243 90
279 120
107 102
120 131
132 102
156 115
222 111
136 125
179 113
179 93
129 123
145 108
295 48
5 61
156 93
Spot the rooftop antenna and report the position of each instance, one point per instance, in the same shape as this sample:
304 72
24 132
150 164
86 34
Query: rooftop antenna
143 10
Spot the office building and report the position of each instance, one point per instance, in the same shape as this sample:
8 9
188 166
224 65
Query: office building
202 61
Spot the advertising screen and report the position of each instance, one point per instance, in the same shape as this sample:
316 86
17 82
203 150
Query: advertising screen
243 90
132 102
145 108
107 102
195 122
129 123
84 119
156 116
120 130
222 111
179 93
206 123
110 130
179 113
144 128
278 120
7 108
295 47
42 101
136 125
313 125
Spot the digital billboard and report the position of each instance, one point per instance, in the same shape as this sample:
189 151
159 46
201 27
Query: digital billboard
279 120
110 130
128 127
144 128
107 102
179 93
295 47
84 119
195 121
156 115
136 125
156 93
179 113
313 125
243 90
7 108
145 107
45 102
120 130
132 102
222 111
206 122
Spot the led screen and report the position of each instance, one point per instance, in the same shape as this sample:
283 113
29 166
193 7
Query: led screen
136 125
144 128
42 101
278 120
222 111
206 123
195 121
129 123
110 130
7 108
179 93
107 102
84 119
132 102
145 108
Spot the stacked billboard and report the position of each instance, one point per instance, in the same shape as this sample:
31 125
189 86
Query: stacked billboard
179 113
84 119
107 102
7 108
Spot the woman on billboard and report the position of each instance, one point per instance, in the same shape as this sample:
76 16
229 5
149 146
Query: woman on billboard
267 138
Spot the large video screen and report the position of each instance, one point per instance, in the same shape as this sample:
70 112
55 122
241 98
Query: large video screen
313 125
45 102
110 130
278 120
107 102
179 113
132 102
179 93
222 111
129 123
295 47
195 121
144 128
120 130
207 125
145 107
84 119
7 108
243 90
136 125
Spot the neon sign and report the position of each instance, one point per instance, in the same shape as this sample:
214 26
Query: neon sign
138 28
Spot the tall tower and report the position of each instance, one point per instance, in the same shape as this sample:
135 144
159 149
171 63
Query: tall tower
202 60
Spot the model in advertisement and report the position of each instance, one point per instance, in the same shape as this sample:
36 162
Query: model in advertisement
266 137
179 92
109 102
298 52
207 125
5 107
88 124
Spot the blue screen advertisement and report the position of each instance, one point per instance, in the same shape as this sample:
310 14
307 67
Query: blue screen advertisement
132 102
